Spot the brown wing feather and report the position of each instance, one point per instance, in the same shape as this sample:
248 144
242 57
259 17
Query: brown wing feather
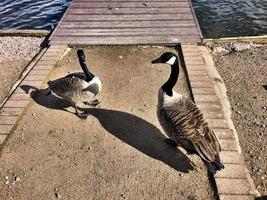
189 125
65 86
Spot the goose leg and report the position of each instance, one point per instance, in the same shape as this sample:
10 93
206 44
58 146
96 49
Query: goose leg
93 103
80 114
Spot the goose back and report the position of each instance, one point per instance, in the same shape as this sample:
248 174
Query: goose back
71 88
183 122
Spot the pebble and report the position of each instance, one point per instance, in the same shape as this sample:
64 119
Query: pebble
220 51
120 57
238 112
33 114
17 179
6 177
58 196
7 182
241 47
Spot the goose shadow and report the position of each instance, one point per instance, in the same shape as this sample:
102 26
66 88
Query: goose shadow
49 101
261 198
143 136
127 127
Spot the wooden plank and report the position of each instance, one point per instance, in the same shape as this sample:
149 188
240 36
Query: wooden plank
125 40
105 11
132 29
127 31
130 4
126 34
126 24
137 17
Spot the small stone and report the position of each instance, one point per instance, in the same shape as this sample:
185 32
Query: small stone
241 47
120 57
238 112
58 196
7 182
180 174
33 114
60 144
17 179
209 44
257 123
219 51
6 177
263 125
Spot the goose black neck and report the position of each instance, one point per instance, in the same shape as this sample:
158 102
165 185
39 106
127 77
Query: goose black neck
170 83
88 75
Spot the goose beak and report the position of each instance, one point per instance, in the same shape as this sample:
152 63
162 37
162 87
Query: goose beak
158 60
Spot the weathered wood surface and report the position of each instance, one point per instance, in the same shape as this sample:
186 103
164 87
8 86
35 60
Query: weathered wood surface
100 22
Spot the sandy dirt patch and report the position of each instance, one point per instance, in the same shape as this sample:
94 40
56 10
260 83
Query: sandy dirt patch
245 75
117 153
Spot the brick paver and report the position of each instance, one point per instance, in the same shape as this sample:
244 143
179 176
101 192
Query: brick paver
232 182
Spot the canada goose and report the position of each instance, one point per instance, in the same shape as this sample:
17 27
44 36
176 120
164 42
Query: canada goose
77 87
183 122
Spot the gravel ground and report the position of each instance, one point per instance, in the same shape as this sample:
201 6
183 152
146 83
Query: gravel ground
15 54
245 75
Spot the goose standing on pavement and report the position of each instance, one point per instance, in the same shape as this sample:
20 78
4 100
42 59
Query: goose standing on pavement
80 87
183 122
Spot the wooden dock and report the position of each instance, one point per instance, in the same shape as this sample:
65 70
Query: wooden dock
122 22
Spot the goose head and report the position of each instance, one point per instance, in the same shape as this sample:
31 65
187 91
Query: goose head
168 58
171 59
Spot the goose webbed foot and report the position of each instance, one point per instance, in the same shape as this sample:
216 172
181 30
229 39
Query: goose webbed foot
210 167
93 103
81 113
170 142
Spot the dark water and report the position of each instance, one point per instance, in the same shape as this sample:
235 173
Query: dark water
31 14
229 18
217 18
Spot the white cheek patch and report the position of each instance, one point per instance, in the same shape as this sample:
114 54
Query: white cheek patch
172 60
